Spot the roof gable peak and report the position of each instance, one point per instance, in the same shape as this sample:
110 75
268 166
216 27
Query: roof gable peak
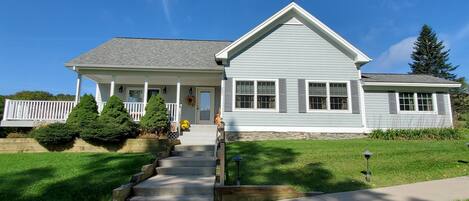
358 57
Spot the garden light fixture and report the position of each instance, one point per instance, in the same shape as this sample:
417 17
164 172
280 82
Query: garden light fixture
367 154
237 159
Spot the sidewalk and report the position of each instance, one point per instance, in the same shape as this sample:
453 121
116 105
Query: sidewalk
439 190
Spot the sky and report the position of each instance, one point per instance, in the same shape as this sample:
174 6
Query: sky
38 37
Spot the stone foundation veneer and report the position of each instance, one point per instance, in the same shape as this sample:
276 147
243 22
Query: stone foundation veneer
271 135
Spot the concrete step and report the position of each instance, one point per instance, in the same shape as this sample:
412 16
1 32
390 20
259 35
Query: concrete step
194 148
201 171
162 185
174 198
196 161
193 153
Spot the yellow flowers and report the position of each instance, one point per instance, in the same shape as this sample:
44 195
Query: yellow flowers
185 124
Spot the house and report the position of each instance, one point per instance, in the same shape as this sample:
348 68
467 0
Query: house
291 73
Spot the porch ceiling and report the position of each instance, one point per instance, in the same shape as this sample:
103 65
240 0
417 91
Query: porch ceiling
156 78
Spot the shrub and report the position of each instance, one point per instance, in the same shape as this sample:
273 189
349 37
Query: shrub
84 114
156 116
100 132
115 113
55 134
416 134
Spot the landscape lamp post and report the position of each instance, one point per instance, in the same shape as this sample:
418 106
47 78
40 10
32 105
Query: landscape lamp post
237 159
367 154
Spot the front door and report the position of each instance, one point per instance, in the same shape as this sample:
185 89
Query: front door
204 109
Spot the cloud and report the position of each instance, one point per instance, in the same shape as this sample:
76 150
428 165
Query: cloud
462 33
167 15
397 55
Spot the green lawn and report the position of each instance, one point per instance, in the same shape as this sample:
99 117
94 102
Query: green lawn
337 165
66 176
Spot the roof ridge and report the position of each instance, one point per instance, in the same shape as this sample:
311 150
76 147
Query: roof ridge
390 73
174 39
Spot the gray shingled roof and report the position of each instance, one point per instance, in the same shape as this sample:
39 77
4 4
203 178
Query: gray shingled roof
153 53
404 78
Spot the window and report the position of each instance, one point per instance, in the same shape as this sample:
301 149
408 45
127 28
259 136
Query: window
317 96
256 94
328 96
266 94
425 101
339 96
244 94
406 102
422 102
135 95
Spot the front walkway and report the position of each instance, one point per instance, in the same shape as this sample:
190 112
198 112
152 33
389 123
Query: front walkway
440 190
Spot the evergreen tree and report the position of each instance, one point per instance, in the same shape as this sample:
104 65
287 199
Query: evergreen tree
156 116
430 57
85 113
114 112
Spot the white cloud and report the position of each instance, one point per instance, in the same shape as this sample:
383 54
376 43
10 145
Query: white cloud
167 15
397 55
462 33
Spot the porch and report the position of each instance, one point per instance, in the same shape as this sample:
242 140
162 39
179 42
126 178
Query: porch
195 96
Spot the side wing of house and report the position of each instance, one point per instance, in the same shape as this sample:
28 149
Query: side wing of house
293 77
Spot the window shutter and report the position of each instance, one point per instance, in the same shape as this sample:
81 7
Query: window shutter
392 102
355 96
229 95
301 96
440 102
282 92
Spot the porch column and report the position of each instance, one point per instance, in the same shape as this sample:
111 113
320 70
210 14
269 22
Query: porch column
222 97
145 94
113 84
178 101
78 89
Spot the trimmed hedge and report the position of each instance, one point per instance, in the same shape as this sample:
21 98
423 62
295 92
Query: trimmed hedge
55 134
85 113
417 134
100 132
156 116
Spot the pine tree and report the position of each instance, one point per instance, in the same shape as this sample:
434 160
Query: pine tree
114 112
84 114
430 57
156 116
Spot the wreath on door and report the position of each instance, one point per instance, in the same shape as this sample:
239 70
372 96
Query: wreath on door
190 100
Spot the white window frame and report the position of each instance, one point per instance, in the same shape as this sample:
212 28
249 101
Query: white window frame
255 96
328 97
127 90
416 104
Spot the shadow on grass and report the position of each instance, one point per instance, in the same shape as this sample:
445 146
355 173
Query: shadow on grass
93 180
265 165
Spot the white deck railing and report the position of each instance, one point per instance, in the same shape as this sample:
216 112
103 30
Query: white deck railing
58 110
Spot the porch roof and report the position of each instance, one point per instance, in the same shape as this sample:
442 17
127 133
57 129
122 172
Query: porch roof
151 53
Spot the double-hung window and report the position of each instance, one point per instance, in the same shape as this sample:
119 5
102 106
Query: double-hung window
256 94
328 96
421 102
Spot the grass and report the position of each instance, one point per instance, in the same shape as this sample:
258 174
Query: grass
338 165
66 176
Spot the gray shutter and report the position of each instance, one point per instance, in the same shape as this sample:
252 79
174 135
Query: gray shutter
282 92
301 96
355 96
440 102
392 102
229 95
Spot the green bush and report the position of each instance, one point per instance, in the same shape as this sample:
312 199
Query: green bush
114 112
99 132
84 114
416 134
55 134
156 116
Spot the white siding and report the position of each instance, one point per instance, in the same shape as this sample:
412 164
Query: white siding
292 52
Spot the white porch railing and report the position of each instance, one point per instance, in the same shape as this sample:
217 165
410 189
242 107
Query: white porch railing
27 110
37 110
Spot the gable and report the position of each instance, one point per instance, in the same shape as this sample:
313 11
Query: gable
293 14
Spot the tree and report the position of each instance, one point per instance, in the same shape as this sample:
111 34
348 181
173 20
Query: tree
85 113
430 57
156 116
32 95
